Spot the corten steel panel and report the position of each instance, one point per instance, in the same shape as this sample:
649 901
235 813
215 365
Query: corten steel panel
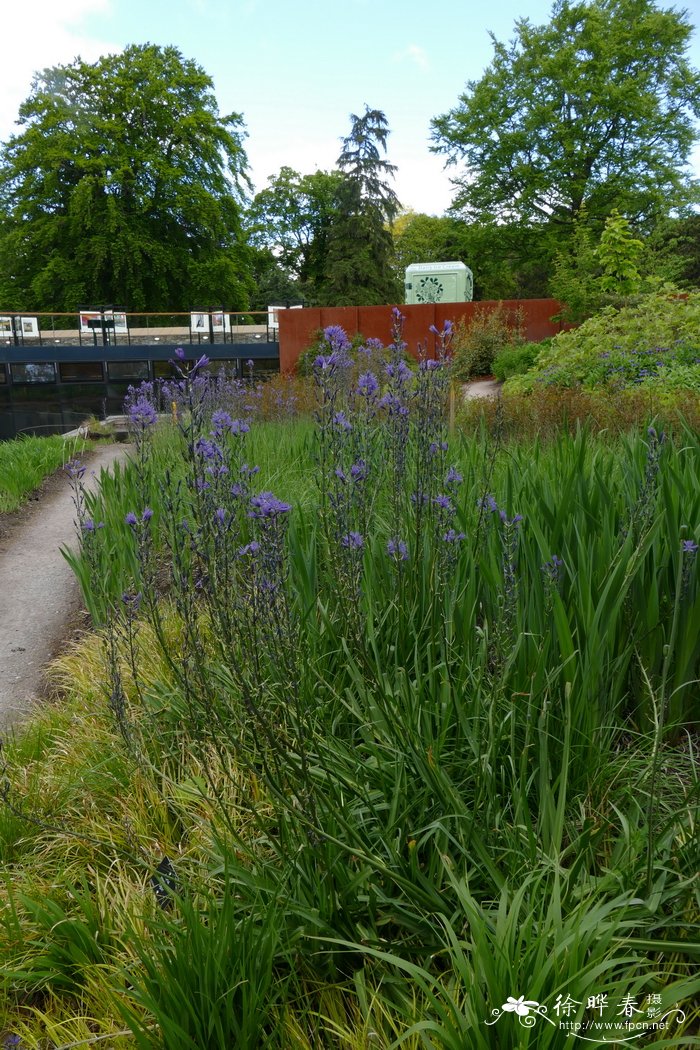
537 314
297 329
344 316
377 321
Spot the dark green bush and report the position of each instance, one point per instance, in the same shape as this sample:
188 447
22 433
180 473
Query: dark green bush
516 360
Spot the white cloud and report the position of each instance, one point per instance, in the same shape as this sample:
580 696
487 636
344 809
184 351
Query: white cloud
41 33
413 53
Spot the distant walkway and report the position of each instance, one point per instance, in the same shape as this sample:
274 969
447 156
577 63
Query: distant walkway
482 388
39 596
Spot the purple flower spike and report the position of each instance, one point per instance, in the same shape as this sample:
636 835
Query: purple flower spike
368 384
353 541
143 414
396 548
180 353
147 514
451 536
689 547
266 505
130 518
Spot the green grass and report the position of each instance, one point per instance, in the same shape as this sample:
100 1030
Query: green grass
26 462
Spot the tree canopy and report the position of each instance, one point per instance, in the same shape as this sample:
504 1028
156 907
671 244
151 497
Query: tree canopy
360 251
292 218
594 110
124 185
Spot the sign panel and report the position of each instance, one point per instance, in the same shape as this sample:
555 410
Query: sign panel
220 322
115 320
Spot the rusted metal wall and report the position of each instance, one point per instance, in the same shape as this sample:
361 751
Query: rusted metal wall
298 328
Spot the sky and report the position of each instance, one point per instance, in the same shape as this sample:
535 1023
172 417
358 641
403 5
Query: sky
296 69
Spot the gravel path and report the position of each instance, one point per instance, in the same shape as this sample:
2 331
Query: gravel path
39 596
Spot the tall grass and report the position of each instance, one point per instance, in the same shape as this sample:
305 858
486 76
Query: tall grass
26 462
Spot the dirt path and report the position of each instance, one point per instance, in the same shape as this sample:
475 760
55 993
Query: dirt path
40 600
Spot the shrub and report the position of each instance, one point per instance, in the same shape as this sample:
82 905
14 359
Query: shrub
627 347
476 342
516 360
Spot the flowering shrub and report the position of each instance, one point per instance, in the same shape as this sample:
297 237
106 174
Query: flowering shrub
656 340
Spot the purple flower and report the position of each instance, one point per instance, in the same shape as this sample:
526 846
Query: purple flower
180 354
342 422
250 548
353 541
444 502
208 450
488 502
368 384
689 547
396 548
453 477
358 471
130 518
147 514
223 422
266 505
201 363
337 338
75 469
428 365
552 568
451 536
89 525
220 515
143 414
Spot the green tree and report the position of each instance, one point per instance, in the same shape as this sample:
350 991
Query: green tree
359 262
292 218
595 110
124 185
619 253
505 259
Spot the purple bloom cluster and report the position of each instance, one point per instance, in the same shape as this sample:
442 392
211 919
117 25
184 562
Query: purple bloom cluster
397 548
142 414
353 541
266 505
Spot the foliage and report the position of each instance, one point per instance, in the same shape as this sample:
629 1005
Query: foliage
618 254
618 347
575 274
293 217
351 698
588 276
507 261
476 341
359 263
516 360
27 461
577 114
547 412
124 185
